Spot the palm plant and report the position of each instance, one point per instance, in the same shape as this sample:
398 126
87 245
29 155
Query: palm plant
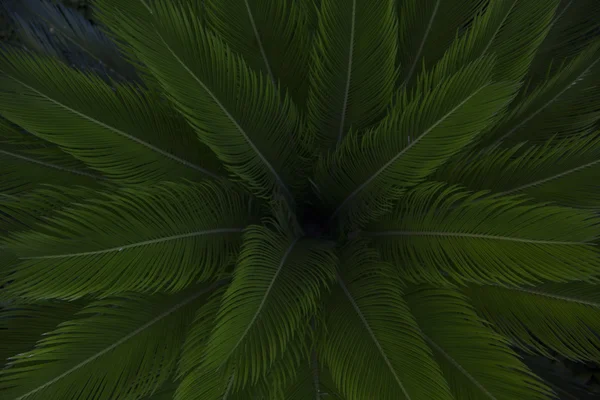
277 199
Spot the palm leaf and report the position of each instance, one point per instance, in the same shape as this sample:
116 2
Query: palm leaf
353 69
574 26
373 346
132 131
564 171
568 103
477 362
271 267
98 355
239 114
272 36
561 317
30 210
418 135
439 234
22 325
27 161
162 237
426 30
512 30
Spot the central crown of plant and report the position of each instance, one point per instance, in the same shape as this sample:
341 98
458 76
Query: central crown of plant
277 199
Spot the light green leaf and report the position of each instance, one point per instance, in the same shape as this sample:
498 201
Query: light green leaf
367 173
100 354
476 361
136 138
561 317
277 283
163 237
353 71
373 346
440 233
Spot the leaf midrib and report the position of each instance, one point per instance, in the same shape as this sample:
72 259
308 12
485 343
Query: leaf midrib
348 74
50 165
458 366
469 235
138 244
422 44
538 292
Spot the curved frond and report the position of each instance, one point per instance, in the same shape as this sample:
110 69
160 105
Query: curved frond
365 174
476 361
575 24
136 137
561 317
567 103
272 36
439 234
511 30
373 347
22 325
160 238
277 283
353 71
100 354
31 209
27 161
238 113
563 171
426 30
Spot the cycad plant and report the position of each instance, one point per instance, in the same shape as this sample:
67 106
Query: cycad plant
278 199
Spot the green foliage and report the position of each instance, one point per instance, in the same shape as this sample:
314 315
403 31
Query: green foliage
316 199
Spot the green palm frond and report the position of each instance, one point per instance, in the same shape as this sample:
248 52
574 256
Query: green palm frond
472 356
427 28
160 238
560 317
238 113
575 24
418 135
567 103
373 346
439 233
31 209
511 30
563 171
84 356
272 36
278 280
353 72
22 325
133 132
27 161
